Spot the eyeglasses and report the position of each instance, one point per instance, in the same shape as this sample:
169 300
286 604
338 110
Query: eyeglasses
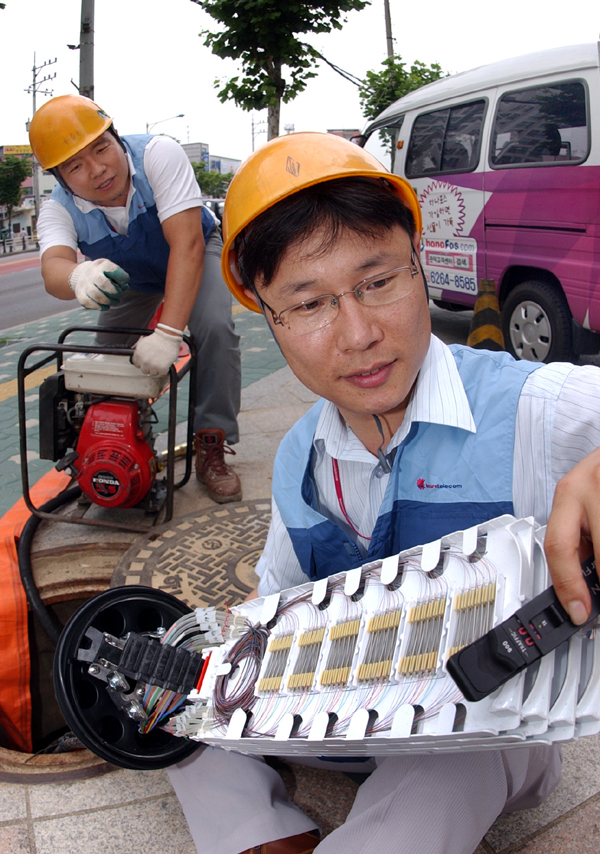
317 312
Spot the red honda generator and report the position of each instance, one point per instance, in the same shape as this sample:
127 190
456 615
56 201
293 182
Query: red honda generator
96 422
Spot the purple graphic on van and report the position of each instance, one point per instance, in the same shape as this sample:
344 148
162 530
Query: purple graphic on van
505 161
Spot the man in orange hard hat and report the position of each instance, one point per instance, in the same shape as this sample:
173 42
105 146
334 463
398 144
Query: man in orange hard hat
132 206
323 241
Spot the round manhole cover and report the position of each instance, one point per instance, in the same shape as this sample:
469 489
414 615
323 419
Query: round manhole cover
205 558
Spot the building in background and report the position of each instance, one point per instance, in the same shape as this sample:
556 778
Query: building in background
198 152
23 215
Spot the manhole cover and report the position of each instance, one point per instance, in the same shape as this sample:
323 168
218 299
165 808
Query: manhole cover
205 558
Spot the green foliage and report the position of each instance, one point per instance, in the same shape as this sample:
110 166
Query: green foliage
380 89
262 34
13 172
213 184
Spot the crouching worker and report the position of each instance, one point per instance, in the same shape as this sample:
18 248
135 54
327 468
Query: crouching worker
132 205
325 243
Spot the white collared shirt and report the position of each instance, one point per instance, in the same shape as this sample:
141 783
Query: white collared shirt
558 423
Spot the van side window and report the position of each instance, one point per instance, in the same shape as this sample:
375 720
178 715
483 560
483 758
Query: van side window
446 141
543 125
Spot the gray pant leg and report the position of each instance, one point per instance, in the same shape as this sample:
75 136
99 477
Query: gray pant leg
233 802
135 310
218 390
441 804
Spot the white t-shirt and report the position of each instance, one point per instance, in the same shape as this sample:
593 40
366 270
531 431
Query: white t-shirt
169 173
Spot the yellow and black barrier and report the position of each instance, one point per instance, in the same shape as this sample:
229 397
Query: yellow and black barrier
486 328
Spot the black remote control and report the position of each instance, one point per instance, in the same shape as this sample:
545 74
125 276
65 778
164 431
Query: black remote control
538 627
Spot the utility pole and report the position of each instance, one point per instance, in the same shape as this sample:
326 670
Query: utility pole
33 90
255 132
388 28
86 50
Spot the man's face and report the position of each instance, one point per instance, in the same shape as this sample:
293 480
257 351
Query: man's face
99 173
366 361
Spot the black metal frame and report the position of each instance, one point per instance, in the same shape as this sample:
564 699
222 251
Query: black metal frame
57 351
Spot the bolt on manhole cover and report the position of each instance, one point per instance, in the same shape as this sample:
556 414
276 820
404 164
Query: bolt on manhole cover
205 558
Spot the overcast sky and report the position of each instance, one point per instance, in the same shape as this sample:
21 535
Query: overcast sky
150 63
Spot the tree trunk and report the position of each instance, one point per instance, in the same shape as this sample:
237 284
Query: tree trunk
273 111
273 120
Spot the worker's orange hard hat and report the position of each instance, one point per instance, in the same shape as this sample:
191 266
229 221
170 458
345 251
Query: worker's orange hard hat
284 166
63 126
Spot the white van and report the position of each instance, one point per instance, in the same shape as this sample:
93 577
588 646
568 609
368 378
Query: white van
505 160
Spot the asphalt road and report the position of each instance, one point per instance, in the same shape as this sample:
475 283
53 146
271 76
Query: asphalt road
22 294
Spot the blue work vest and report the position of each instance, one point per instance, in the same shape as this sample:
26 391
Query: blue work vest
143 252
443 479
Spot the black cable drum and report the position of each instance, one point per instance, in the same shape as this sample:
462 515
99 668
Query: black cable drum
84 700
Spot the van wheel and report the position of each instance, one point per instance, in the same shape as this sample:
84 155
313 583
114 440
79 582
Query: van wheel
536 323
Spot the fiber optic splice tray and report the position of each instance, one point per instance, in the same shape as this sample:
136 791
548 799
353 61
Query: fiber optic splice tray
354 664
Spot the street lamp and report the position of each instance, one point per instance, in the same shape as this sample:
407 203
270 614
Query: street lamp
160 121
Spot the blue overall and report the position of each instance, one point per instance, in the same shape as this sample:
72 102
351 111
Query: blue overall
443 479
143 251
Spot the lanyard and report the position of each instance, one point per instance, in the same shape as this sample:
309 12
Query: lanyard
340 497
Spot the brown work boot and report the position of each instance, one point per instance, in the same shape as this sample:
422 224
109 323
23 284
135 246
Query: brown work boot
303 843
223 483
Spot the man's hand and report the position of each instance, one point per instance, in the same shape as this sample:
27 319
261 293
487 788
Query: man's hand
154 354
573 534
98 284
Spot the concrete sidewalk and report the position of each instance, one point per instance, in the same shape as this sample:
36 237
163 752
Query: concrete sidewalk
123 812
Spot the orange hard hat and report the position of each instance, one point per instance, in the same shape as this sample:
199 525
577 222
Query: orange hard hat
63 126
284 166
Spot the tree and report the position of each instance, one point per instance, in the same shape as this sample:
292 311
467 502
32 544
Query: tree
213 184
380 89
262 34
13 172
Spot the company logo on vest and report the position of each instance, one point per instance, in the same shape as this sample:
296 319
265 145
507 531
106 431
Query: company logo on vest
421 483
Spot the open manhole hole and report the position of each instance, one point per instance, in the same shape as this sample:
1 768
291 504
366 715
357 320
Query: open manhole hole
204 558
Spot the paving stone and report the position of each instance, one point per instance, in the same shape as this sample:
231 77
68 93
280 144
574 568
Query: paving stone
580 781
14 839
156 826
577 833
13 804
113 789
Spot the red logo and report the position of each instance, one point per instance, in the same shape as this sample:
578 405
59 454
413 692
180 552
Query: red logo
422 484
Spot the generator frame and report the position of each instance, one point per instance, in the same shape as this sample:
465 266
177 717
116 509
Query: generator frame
57 351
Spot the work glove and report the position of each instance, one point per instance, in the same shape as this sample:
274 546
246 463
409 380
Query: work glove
154 354
98 284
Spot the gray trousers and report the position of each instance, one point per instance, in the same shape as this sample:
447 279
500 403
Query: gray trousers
442 804
218 388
